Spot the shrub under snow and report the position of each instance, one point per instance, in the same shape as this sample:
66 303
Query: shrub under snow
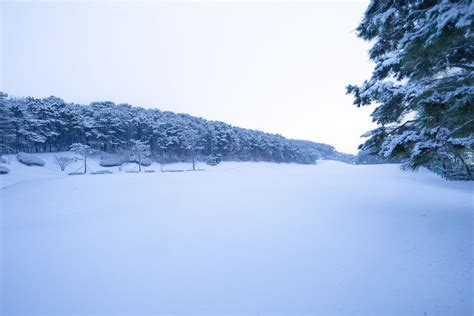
112 160
144 161
30 160
4 170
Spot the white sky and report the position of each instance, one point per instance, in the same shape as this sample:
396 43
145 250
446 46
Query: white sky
280 67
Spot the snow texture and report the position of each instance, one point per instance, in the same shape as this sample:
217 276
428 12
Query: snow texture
239 238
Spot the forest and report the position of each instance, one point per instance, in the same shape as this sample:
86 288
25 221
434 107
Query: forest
50 124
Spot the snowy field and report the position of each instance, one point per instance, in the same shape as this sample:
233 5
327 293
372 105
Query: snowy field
238 238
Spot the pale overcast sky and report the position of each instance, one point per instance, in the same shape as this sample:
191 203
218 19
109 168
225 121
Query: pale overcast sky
280 67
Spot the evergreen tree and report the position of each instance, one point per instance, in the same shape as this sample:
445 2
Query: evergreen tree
49 124
7 125
191 143
423 81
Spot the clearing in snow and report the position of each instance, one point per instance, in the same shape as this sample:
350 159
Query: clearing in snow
248 238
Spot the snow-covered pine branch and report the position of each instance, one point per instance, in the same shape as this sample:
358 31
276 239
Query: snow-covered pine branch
424 56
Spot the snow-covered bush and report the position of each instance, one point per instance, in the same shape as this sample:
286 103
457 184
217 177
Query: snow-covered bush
213 160
30 160
112 160
149 171
4 170
63 161
102 172
7 159
144 161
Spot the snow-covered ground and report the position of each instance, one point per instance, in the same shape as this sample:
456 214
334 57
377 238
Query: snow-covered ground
238 238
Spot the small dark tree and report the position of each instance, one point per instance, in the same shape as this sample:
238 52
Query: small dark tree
191 143
63 161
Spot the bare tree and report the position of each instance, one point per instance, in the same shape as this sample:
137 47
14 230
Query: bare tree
63 161
140 150
83 150
191 142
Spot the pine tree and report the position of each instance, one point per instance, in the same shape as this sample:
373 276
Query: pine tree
7 125
49 124
423 81
191 143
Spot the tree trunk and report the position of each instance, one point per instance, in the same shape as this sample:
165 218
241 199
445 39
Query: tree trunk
466 166
194 161
85 164
444 168
139 164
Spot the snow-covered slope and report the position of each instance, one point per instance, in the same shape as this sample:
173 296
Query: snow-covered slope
239 238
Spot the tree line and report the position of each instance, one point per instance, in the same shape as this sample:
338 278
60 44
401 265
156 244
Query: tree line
50 124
